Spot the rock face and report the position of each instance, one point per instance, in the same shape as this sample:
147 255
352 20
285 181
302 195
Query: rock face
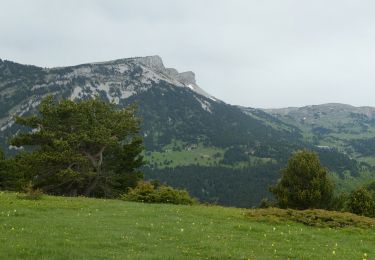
153 62
156 64
186 78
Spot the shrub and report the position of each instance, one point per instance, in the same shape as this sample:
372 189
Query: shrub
312 217
266 203
361 202
31 193
371 188
150 193
169 195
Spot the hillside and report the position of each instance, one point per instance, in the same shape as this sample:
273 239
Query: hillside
221 153
82 228
347 128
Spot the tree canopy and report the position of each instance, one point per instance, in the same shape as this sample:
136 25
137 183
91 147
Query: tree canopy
304 183
81 148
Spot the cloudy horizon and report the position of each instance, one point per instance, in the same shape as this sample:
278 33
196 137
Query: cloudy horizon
252 53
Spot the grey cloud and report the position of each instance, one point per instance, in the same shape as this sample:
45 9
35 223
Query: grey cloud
255 53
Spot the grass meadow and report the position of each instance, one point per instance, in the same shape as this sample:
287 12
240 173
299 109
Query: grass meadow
82 228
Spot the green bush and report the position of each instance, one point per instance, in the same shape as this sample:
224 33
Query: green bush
266 203
150 193
31 193
371 188
361 202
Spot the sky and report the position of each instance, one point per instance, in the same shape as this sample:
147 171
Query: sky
255 53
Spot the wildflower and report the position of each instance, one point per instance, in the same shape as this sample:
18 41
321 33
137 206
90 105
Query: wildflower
334 252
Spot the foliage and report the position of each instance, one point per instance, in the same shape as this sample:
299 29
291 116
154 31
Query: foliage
234 155
361 202
366 147
11 177
243 187
312 217
31 193
266 203
370 187
338 203
339 162
147 192
86 148
304 183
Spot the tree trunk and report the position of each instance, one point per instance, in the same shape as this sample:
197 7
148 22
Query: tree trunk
92 186
96 161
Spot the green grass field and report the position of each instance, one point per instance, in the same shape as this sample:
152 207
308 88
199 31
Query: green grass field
204 156
81 228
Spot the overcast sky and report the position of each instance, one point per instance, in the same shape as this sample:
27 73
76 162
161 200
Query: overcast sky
254 53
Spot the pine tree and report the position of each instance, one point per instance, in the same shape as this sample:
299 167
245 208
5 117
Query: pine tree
70 143
304 183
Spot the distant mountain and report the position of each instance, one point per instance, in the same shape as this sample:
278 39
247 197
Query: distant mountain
219 152
347 128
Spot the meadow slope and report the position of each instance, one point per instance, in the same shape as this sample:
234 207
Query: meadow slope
82 228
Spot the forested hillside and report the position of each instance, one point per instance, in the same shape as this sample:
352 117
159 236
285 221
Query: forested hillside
219 152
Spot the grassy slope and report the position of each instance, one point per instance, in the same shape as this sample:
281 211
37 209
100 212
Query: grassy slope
77 228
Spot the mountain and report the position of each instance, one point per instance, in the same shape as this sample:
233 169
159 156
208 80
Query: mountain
219 152
349 129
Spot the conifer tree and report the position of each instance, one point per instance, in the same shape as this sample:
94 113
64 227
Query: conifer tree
304 183
70 143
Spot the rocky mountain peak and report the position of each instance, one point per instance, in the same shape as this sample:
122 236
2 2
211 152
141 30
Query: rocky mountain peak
153 62
187 78
156 64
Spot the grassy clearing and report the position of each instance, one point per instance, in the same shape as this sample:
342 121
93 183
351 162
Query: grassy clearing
81 228
199 155
204 156
370 160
